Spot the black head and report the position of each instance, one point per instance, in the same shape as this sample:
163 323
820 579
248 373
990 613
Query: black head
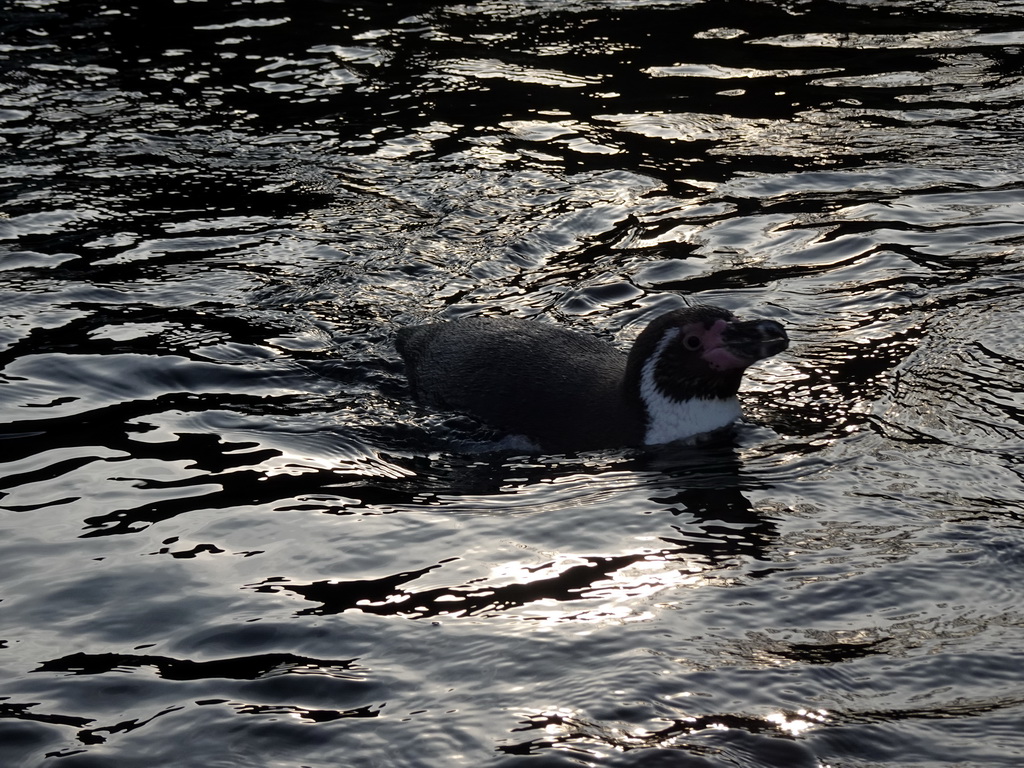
701 352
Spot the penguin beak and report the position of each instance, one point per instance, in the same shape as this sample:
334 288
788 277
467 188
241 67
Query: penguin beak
754 340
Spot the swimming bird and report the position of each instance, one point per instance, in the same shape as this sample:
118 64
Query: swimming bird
568 391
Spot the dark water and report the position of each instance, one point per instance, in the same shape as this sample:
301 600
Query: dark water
230 540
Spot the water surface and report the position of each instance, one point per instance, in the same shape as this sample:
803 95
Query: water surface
230 538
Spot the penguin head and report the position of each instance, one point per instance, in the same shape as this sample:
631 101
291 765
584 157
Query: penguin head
685 369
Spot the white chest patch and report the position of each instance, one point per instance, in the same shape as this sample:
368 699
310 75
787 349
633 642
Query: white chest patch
668 419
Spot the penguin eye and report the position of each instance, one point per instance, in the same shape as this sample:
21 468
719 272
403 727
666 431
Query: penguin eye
692 342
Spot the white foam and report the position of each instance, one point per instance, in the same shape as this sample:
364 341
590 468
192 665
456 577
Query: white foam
669 420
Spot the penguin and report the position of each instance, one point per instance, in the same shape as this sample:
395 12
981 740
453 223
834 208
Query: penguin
568 391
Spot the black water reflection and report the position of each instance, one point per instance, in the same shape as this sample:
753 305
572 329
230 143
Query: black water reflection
242 668
722 529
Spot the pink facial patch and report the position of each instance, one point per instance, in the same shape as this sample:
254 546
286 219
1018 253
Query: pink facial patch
716 354
722 359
